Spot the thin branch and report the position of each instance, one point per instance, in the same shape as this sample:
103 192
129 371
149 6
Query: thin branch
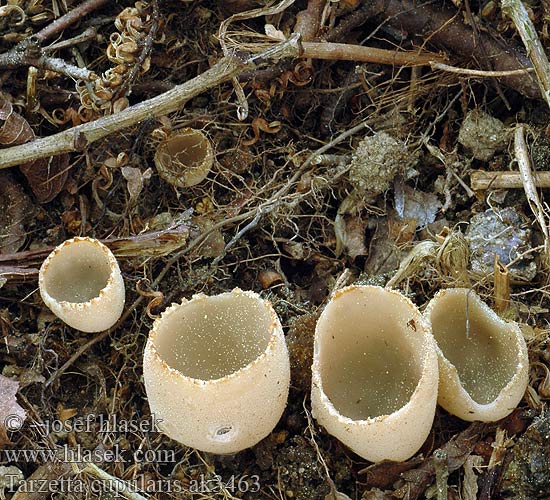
29 53
445 29
360 53
79 137
516 11
481 180
69 18
88 34
477 72
524 163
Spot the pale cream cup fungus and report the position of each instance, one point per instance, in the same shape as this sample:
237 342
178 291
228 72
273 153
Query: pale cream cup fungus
374 373
184 158
81 283
483 361
217 371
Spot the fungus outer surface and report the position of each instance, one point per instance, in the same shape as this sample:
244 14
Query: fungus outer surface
80 281
217 371
374 373
483 359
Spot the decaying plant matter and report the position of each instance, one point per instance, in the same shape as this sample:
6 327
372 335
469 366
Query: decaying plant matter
348 145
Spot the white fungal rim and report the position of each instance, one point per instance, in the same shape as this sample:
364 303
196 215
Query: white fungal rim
426 374
275 333
57 252
484 409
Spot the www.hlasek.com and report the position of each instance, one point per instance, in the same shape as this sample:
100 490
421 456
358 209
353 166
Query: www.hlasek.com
119 488
77 454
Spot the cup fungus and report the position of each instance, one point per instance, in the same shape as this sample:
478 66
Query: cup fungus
184 158
483 362
374 373
217 372
81 283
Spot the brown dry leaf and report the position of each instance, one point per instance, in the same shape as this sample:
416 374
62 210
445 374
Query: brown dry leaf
469 483
458 449
47 176
214 244
134 179
384 253
15 210
384 474
12 415
14 129
350 234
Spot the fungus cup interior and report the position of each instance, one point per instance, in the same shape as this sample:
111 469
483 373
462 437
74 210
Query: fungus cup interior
212 337
185 153
370 356
77 272
484 356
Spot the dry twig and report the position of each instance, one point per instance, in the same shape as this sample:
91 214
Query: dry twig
528 179
79 137
519 15
443 27
480 180
359 53
29 52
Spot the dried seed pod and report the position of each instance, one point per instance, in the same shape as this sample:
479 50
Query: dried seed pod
374 373
268 278
483 363
184 158
217 372
81 283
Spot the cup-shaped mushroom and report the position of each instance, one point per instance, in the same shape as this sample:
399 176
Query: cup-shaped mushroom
374 373
184 158
81 283
217 371
483 362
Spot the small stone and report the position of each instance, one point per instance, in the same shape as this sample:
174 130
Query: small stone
503 233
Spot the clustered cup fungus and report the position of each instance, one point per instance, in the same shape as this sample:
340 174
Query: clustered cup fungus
81 283
217 371
375 373
184 158
483 362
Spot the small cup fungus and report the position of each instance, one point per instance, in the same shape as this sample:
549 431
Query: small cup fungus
483 362
184 158
217 371
81 283
374 373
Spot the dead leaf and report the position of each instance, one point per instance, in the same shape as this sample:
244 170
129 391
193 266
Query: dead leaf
382 475
469 484
350 234
12 415
457 448
14 129
421 206
135 179
46 176
16 210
